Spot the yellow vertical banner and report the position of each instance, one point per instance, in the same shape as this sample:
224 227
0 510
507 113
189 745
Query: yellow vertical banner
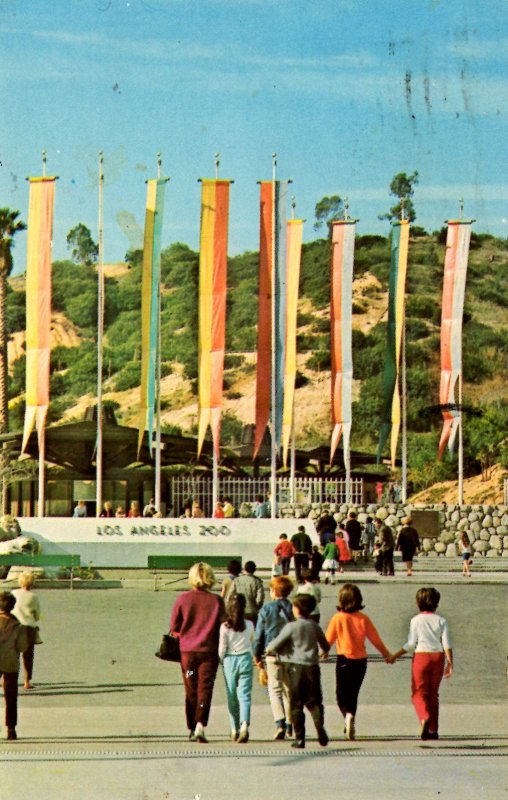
38 305
293 261
400 311
212 305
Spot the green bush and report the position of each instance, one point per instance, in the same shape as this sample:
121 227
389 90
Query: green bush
128 377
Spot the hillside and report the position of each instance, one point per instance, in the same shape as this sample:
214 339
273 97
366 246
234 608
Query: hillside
73 360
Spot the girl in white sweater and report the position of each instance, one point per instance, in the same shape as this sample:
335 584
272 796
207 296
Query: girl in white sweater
432 660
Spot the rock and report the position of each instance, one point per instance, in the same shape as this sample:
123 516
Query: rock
473 516
391 520
492 554
505 542
487 521
476 527
432 554
496 522
463 525
485 536
504 520
495 542
451 551
502 530
381 513
455 516
427 545
481 546
439 547
362 518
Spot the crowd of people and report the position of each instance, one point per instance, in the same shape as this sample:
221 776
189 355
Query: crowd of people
341 544
283 639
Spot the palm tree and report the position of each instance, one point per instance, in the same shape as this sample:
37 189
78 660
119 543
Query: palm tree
9 226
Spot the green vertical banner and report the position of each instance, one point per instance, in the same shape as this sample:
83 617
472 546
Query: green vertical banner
150 295
390 412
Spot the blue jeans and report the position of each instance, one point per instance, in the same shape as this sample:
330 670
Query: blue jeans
238 678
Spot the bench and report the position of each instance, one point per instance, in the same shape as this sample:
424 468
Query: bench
41 560
183 563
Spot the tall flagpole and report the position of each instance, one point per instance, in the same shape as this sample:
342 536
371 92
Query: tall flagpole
347 451
293 448
404 392
215 463
157 491
460 460
273 385
100 345
42 438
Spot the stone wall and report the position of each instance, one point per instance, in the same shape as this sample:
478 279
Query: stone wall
486 525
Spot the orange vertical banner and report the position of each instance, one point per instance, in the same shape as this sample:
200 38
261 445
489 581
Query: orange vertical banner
38 305
293 260
212 306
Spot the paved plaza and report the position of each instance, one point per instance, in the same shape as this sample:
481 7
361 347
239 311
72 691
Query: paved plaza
106 718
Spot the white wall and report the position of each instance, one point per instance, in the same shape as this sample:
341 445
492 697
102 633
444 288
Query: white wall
128 542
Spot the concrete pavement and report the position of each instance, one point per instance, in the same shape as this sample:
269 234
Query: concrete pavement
106 717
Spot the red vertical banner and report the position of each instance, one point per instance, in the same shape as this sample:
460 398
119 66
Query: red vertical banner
264 344
454 287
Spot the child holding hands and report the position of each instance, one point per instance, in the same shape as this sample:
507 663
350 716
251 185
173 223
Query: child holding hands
433 658
298 646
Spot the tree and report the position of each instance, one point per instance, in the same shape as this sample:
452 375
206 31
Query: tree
402 186
327 211
10 225
83 248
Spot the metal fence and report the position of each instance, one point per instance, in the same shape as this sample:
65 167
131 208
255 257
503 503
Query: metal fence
246 490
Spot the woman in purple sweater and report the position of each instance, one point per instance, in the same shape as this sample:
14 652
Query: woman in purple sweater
196 618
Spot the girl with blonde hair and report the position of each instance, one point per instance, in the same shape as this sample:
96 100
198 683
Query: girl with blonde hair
28 612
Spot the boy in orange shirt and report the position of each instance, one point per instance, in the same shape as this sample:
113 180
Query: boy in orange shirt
348 630
284 551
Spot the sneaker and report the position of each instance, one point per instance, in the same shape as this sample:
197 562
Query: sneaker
11 734
322 737
298 744
424 729
289 730
243 737
199 734
280 734
192 738
234 736
434 735
350 727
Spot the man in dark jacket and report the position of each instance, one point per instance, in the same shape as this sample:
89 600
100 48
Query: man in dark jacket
325 527
386 545
303 547
354 530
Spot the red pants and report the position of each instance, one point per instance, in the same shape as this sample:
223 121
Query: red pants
198 671
426 675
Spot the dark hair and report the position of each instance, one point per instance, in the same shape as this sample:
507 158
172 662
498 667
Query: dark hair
352 514
369 519
7 601
306 574
282 585
464 538
249 567
236 612
301 528
350 598
234 567
305 603
283 536
427 598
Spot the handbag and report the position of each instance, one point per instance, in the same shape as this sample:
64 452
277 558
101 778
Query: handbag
169 648
37 635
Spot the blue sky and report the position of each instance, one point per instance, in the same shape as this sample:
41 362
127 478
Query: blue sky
347 92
